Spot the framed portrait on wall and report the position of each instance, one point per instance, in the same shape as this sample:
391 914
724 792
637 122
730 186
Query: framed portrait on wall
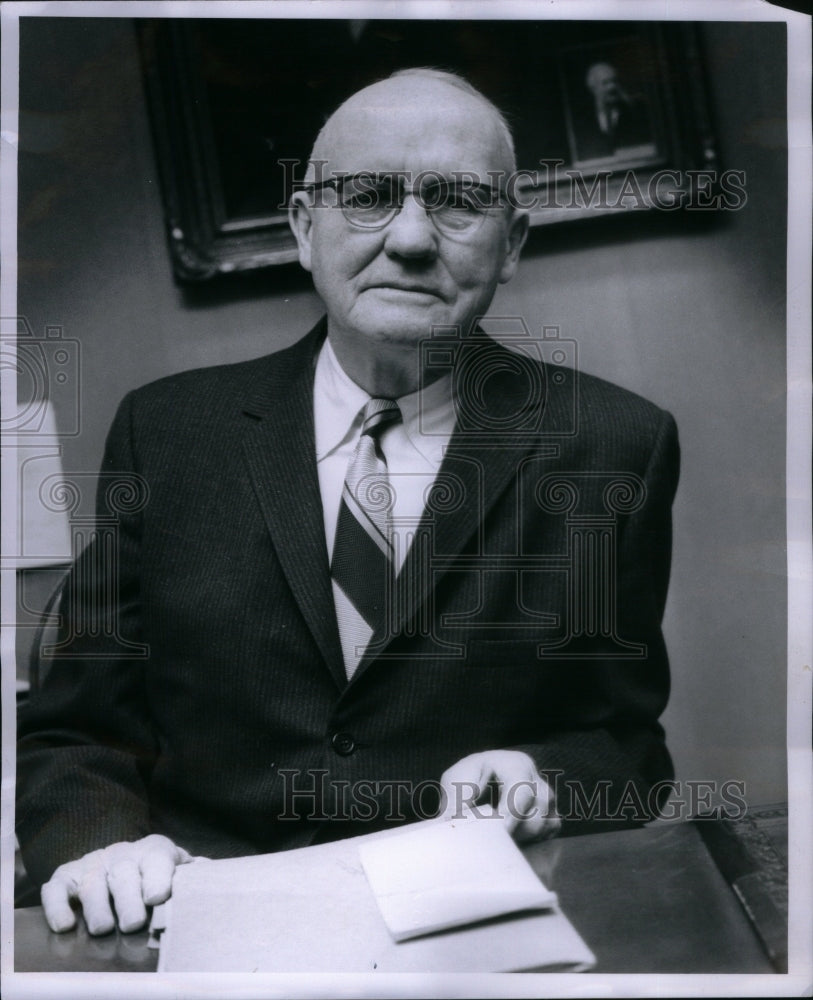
236 105
612 105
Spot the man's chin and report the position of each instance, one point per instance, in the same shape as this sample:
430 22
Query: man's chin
408 330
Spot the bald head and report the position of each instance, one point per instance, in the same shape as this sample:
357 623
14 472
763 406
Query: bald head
602 80
422 246
437 101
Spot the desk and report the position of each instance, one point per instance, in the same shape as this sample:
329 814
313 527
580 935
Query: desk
648 900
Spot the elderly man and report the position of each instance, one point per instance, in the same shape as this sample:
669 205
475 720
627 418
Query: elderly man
354 575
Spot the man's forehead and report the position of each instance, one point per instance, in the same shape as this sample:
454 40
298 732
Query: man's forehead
603 73
402 122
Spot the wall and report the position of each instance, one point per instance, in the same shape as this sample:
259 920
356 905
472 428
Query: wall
689 312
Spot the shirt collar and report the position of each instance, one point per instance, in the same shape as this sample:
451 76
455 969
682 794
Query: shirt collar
428 413
429 418
338 402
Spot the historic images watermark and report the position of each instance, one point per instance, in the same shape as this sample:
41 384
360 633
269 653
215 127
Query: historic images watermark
550 186
313 795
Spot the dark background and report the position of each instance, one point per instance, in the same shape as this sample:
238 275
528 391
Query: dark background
269 86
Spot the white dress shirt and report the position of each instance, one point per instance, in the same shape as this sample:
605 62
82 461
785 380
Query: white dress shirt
413 449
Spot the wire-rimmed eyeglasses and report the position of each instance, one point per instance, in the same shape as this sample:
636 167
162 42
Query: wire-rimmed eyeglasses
457 206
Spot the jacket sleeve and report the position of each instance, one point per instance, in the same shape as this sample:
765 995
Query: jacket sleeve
85 742
607 759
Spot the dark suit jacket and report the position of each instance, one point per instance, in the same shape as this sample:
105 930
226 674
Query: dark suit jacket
528 617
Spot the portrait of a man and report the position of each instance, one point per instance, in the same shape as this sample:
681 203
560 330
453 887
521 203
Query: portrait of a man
607 118
453 519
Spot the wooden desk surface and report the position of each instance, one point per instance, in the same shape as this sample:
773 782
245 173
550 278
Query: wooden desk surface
649 900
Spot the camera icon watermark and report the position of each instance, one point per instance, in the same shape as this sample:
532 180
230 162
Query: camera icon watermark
48 376
500 396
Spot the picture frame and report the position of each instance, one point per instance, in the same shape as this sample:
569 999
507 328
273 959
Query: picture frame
235 106
609 121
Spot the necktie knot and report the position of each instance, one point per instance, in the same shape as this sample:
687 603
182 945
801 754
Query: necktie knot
379 414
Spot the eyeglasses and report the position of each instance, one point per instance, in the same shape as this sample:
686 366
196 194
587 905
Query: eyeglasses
371 201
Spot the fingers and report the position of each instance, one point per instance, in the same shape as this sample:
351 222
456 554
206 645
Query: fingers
518 802
468 787
157 867
93 894
56 896
124 884
113 885
524 799
532 814
462 786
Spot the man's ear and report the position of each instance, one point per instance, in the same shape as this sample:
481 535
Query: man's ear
515 241
300 219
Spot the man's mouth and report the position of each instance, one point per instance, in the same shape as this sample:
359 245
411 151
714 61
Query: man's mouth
404 287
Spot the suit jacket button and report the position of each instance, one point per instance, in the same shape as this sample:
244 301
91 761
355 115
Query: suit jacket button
343 743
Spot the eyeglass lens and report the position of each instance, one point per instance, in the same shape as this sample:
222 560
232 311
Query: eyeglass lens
372 200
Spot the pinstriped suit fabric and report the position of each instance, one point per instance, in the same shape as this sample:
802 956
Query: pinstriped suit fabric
225 575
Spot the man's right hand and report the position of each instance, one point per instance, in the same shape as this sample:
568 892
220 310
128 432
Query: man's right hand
125 876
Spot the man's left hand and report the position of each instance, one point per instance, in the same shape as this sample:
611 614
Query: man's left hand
524 799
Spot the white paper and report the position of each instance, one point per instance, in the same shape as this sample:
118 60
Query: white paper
442 875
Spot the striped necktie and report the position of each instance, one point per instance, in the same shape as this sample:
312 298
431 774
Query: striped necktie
362 551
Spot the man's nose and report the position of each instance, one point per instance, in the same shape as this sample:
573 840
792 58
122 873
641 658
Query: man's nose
411 233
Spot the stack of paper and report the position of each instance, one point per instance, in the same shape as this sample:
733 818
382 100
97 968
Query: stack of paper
432 897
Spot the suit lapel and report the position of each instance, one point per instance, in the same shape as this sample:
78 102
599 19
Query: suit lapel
484 457
281 460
